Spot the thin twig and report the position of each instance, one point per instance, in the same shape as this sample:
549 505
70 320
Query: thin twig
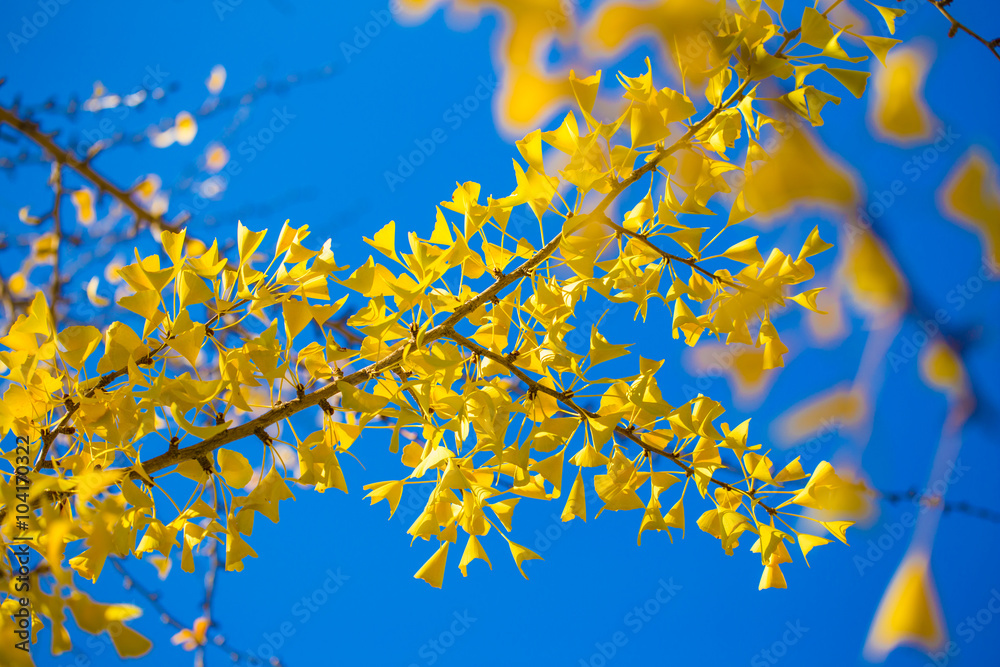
567 400
960 507
956 25
82 167
130 582
56 282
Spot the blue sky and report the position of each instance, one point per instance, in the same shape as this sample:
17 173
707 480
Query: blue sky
596 591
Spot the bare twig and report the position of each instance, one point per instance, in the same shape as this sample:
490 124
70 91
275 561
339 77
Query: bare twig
82 167
992 44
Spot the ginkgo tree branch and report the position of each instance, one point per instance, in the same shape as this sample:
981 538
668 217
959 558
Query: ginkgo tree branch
129 583
663 153
992 44
389 362
72 406
660 155
325 393
104 381
670 257
82 166
127 423
567 400
61 156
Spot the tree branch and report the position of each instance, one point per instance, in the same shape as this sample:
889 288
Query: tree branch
47 142
395 356
322 395
585 414
956 25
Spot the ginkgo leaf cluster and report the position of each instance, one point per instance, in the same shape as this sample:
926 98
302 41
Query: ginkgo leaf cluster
462 353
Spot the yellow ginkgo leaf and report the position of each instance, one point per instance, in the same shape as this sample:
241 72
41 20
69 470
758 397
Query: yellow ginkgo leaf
838 529
83 200
576 503
247 241
897 111
391 492
889 14
854 80
521 554
813 245
909 613
234 468
808 542
215 158
526 94
970 196
78 343
816 30
385 240
675 517
871 277
588 457
551 469
880 46
473 550
129 643
772 578
190 639
744 252
652 519
800 173
433 570
504 510
26 218
17 283
236 547
942 369
807 299
601 350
